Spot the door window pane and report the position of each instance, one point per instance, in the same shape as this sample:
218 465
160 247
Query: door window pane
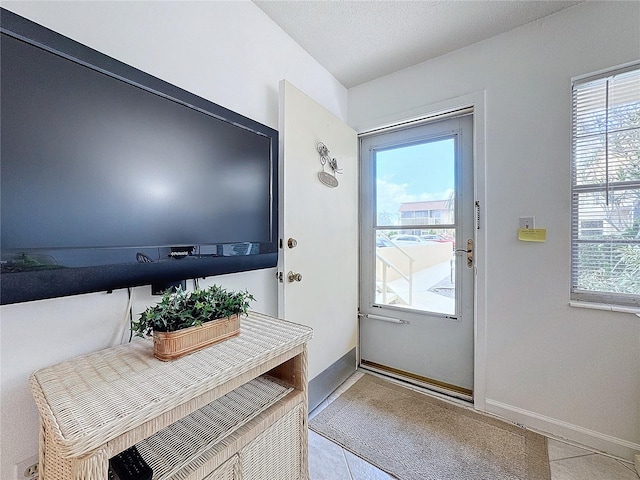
415 184
415 226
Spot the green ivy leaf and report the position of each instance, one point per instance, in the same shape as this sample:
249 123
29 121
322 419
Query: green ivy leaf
182 309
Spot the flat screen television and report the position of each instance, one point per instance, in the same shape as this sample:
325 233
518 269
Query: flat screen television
111 177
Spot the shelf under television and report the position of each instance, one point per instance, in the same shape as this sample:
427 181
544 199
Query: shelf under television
187 445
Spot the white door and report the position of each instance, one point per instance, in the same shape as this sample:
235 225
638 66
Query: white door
318 227
417 242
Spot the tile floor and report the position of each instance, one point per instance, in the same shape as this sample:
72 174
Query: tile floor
329 461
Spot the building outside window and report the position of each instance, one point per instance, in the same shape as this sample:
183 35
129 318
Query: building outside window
435 212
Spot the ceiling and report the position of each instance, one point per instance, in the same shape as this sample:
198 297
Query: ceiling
358 41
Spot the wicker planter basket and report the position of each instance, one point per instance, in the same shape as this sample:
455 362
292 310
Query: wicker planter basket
172 345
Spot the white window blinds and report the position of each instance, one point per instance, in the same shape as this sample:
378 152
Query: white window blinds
605 247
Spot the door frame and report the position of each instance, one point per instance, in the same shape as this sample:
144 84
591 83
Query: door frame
477 101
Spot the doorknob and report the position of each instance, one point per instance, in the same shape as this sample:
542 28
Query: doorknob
294 277
292 243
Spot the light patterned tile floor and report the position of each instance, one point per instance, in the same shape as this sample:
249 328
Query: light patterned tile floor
329 461
569 462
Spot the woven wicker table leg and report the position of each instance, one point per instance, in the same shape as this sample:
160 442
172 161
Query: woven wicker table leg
305 415
94 466
42 441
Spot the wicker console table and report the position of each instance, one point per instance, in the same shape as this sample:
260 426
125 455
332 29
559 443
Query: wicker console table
235 410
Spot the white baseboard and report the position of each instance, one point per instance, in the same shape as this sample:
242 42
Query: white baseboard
591 439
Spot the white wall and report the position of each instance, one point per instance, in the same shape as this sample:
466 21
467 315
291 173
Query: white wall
228 52
568 371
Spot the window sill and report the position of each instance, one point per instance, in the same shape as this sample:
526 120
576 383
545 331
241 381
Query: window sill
605 306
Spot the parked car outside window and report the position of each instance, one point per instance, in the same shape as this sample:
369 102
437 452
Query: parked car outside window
438 238
408 240
383 242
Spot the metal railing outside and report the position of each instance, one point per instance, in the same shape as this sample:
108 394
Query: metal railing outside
387 264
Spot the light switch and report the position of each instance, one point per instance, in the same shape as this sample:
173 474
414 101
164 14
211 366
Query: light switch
527 222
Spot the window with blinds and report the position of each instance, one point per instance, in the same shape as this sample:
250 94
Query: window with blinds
605 211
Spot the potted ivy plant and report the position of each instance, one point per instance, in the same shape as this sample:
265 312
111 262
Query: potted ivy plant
183 322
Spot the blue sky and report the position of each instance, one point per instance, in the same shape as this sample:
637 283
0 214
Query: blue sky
414 173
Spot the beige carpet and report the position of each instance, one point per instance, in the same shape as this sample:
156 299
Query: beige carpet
416 437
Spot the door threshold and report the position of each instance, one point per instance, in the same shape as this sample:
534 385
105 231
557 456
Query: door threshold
419 381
